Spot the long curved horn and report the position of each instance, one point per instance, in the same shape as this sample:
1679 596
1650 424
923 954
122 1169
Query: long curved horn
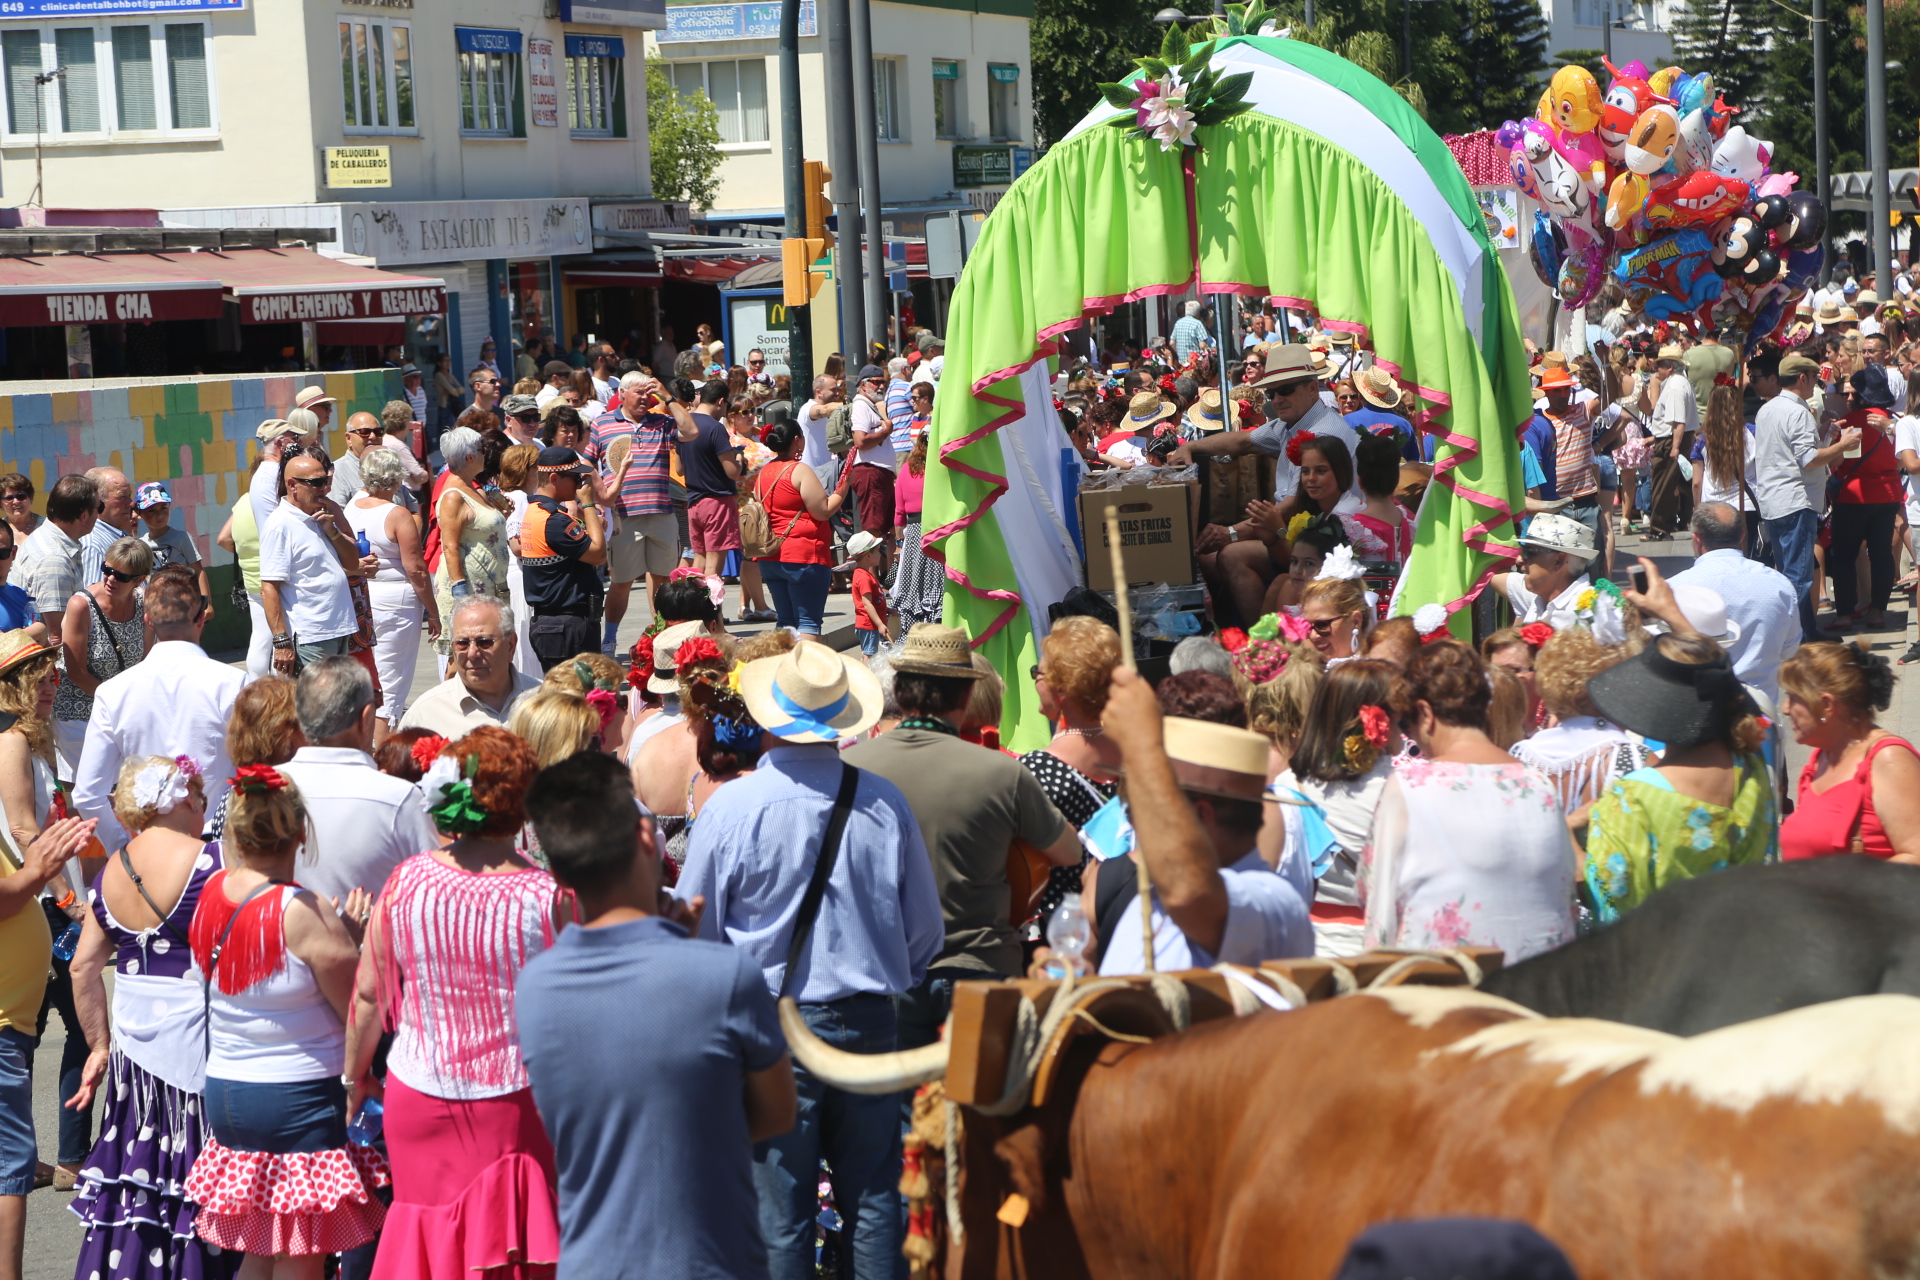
860 1072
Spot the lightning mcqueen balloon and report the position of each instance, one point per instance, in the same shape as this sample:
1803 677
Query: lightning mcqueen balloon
1698 198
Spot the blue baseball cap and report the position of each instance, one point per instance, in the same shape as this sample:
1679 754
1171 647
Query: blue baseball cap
151 494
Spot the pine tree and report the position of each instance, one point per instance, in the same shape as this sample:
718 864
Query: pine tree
1734 41
1076 44
1504 48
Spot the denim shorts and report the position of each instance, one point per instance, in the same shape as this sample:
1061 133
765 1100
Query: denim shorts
1609 471
277 1117
19 1156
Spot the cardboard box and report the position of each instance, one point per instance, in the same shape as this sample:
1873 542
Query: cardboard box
1156 534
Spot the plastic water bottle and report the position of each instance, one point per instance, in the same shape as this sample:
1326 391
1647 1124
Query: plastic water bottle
68 942
366 1127
1068 934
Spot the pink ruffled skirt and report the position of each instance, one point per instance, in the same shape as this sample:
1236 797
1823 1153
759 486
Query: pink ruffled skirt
473 1189
301 1202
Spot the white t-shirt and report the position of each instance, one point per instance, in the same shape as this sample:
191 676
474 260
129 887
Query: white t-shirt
814 430
1714 489
1675 407
1528 607
1906 435
866 418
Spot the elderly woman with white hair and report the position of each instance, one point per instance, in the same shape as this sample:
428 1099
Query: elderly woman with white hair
473 533
401 592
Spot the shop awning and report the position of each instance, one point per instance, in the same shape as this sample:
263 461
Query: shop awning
110 288
613 273
284 286
710 270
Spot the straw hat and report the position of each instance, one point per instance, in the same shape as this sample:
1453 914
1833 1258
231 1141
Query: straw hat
1216 759
1377 387
1849 316
1287 362
1554 359
307 397
1206 413
1673 351
665 646
933 650
1147 408
1866 298
17 647
811 694
273 428
1829 312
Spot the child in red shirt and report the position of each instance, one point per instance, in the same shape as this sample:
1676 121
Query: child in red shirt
869 597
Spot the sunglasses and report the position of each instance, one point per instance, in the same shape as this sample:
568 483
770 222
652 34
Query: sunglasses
1323 627
756 362
119 576
476 642
6 554
16 497
317 484
1034 672
368 432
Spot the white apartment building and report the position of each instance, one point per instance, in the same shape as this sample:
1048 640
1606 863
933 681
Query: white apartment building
1640 28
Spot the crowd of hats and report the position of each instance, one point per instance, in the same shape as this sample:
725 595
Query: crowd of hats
1653 182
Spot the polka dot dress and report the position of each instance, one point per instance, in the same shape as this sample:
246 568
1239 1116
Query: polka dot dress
1078 798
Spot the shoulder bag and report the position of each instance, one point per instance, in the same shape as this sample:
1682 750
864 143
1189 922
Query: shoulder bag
822 870
757 539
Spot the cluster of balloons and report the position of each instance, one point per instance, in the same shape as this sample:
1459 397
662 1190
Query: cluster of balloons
1653 180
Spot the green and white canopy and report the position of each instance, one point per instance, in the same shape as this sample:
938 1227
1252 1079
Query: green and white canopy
1330 194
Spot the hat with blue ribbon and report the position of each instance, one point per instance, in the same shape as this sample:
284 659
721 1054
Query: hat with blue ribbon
811 694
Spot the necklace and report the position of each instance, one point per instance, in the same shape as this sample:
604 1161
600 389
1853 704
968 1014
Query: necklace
932 724
1095 732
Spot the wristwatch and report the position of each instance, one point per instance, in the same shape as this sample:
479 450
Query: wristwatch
284 640
1233 533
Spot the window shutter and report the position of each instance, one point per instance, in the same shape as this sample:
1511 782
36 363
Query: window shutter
80 90
20 54
187 75
133 77
618 92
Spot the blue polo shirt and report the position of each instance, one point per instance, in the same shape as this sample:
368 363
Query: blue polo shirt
16 608
645 1109
1538 436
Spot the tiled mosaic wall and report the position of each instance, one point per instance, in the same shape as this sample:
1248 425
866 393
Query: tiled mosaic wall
196 434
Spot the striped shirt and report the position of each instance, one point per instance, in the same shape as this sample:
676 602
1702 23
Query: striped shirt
1574 475
645 491
900 414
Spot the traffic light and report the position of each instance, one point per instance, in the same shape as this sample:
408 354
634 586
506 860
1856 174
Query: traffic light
798 280
815 177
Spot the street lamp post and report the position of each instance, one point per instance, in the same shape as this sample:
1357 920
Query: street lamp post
40 82
1877 146
1822 162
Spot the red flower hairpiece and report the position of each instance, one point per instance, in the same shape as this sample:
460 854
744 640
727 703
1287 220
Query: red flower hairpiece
1233 639
1246 414
426 750
1723 380
256 779
642 669
1166 384
1536 634
1374 723
1296 447
697 649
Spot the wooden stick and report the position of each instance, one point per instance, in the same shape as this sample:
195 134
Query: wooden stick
1124 605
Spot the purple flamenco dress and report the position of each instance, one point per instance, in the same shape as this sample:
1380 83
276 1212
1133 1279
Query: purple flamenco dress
131 1191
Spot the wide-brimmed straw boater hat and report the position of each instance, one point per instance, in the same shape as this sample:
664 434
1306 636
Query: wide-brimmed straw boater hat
1206 413
1147 408
811 694
1290 362
17 647
665 646
933 650
1216 759
1377 388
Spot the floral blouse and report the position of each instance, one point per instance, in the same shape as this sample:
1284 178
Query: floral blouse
1468 855
1644 835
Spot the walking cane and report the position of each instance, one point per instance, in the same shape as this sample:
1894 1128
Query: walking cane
1125 607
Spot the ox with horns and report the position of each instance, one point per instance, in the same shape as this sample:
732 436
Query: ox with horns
1782 1149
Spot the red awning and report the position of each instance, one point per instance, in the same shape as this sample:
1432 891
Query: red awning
711 270
630 273
107 288
283 286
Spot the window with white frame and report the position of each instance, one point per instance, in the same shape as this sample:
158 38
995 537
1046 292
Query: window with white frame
886 100
118 79
947 122
596 86
1003 101
376 75
738 90
492 102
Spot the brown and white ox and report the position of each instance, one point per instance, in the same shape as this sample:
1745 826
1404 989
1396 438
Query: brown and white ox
1782 1149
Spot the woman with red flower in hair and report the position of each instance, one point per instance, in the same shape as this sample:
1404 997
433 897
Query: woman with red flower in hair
1469 847
277 1179
473 1171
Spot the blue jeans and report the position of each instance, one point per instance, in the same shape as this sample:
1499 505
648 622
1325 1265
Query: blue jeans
307 1115
799 593
1793 539
18 1153
76 1127
857 1134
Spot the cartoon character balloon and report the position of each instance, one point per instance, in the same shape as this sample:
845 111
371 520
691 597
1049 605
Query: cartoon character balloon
1695 199
1651 141
1738 154
1671 276
1626 98
1574 100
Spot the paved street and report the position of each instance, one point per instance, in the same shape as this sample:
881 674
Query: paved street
53 1234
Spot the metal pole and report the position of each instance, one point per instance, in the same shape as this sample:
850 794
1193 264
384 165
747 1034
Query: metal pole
1309 15
1223 331
1606 29
1877 147
1822 161
843 158
1406 39
793 160
867 128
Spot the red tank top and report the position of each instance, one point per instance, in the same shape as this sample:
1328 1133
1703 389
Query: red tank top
806 538
1824 823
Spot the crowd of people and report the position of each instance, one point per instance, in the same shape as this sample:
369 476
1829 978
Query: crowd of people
483 975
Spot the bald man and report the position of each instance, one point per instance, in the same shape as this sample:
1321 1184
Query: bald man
116 522
363 433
